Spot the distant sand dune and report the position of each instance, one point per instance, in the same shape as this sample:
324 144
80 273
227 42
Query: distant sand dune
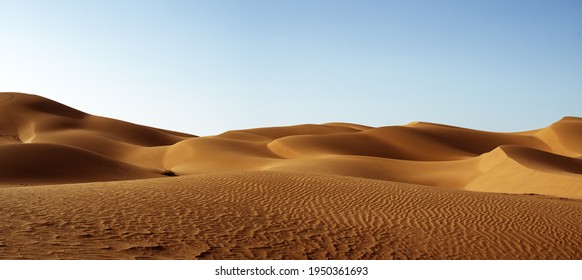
421 153
74 185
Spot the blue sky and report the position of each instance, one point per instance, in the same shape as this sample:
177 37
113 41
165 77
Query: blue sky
205 67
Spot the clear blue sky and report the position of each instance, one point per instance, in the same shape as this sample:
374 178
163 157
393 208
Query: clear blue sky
205 67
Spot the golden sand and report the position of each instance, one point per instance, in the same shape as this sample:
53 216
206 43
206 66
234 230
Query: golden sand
77 186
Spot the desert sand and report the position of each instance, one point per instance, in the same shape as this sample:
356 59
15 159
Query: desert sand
78 186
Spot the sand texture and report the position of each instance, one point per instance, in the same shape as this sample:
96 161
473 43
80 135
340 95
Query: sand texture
78 186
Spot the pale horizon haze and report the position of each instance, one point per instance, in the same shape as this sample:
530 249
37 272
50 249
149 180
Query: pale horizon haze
205 67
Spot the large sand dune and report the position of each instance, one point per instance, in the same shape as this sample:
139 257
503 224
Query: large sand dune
73 185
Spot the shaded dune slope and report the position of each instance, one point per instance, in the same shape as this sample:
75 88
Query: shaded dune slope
83 148
545 161
50 163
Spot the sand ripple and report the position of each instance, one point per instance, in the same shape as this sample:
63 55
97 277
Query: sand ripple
281 215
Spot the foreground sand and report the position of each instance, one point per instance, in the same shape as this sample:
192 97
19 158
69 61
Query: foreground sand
282 215
77 186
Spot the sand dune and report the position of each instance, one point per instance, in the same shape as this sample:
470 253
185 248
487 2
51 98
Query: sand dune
26 119
564 136
74 185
